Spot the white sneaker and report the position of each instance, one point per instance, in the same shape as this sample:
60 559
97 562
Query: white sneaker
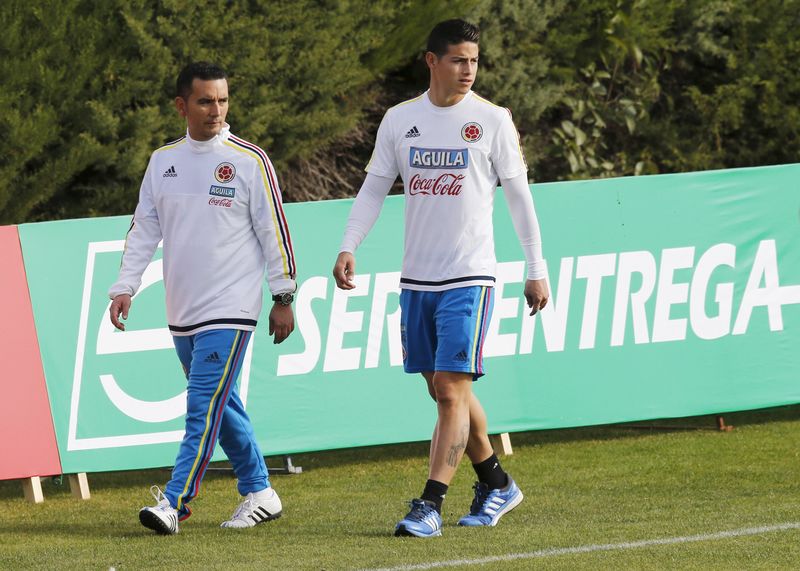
162 517
256 508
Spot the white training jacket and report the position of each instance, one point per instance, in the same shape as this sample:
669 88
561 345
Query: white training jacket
217 207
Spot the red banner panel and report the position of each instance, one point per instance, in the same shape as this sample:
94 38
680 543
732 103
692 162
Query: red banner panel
27 440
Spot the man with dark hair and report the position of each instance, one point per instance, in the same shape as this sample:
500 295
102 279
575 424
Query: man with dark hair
202 70
451 33
450 147
214 200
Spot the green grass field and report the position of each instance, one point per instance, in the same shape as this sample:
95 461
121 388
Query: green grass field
593 486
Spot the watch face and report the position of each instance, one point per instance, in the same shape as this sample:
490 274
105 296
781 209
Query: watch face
284 298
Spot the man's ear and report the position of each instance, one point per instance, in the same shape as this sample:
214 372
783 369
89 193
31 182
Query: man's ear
431 59
180 105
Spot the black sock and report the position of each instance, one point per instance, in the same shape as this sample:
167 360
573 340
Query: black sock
434 492
490 473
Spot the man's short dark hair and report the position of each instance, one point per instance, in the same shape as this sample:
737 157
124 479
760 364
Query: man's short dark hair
451 33
197 70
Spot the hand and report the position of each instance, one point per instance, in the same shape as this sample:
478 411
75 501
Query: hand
537 294
345 270
281 322
120 305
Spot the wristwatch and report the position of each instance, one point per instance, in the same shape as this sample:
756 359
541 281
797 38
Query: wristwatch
285 298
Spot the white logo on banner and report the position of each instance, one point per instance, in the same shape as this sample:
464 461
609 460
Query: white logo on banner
659 297
651 277
110 342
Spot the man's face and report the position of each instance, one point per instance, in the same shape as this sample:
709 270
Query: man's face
205 108
455 71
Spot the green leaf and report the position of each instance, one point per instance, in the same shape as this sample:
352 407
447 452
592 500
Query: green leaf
637 54
598 89
573 161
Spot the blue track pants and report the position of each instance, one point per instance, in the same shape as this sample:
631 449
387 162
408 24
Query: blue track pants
212 360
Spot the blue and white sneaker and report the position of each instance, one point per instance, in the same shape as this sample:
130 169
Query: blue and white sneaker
489 506
422 521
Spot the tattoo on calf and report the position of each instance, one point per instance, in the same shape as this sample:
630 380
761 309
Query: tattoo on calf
457 450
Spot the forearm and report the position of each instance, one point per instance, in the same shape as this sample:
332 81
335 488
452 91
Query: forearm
272 230
526 224
140 245
365 210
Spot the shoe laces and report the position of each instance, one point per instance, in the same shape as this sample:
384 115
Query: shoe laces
420 510
246 506
481 495
159 496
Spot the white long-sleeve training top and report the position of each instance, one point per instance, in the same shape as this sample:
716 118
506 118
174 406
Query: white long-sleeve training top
450 159
217 206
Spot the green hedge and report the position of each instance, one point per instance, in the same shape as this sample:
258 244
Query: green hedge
88 86
623 87
597 87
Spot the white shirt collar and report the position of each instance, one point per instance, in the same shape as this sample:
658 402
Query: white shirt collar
212 144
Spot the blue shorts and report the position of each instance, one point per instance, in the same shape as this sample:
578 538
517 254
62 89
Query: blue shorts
445 330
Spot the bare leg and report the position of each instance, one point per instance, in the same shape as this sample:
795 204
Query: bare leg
432 391
478 447
451 435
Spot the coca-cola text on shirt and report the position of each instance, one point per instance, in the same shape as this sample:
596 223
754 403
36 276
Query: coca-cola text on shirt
225 202
446 184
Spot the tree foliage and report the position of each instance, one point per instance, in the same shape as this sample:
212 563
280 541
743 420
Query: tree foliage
88 86
672 86
597 87
515 66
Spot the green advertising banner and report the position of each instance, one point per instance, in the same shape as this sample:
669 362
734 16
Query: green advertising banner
673 295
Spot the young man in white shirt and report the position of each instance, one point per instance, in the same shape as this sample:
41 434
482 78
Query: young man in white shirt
450 147
214 200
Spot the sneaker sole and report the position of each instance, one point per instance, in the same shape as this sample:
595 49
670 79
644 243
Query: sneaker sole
507 508
272 517
402 531
152 521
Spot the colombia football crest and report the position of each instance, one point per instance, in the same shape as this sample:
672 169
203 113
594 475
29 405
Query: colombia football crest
224 172
471 132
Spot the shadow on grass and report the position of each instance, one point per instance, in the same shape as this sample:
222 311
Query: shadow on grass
128 530
337 458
